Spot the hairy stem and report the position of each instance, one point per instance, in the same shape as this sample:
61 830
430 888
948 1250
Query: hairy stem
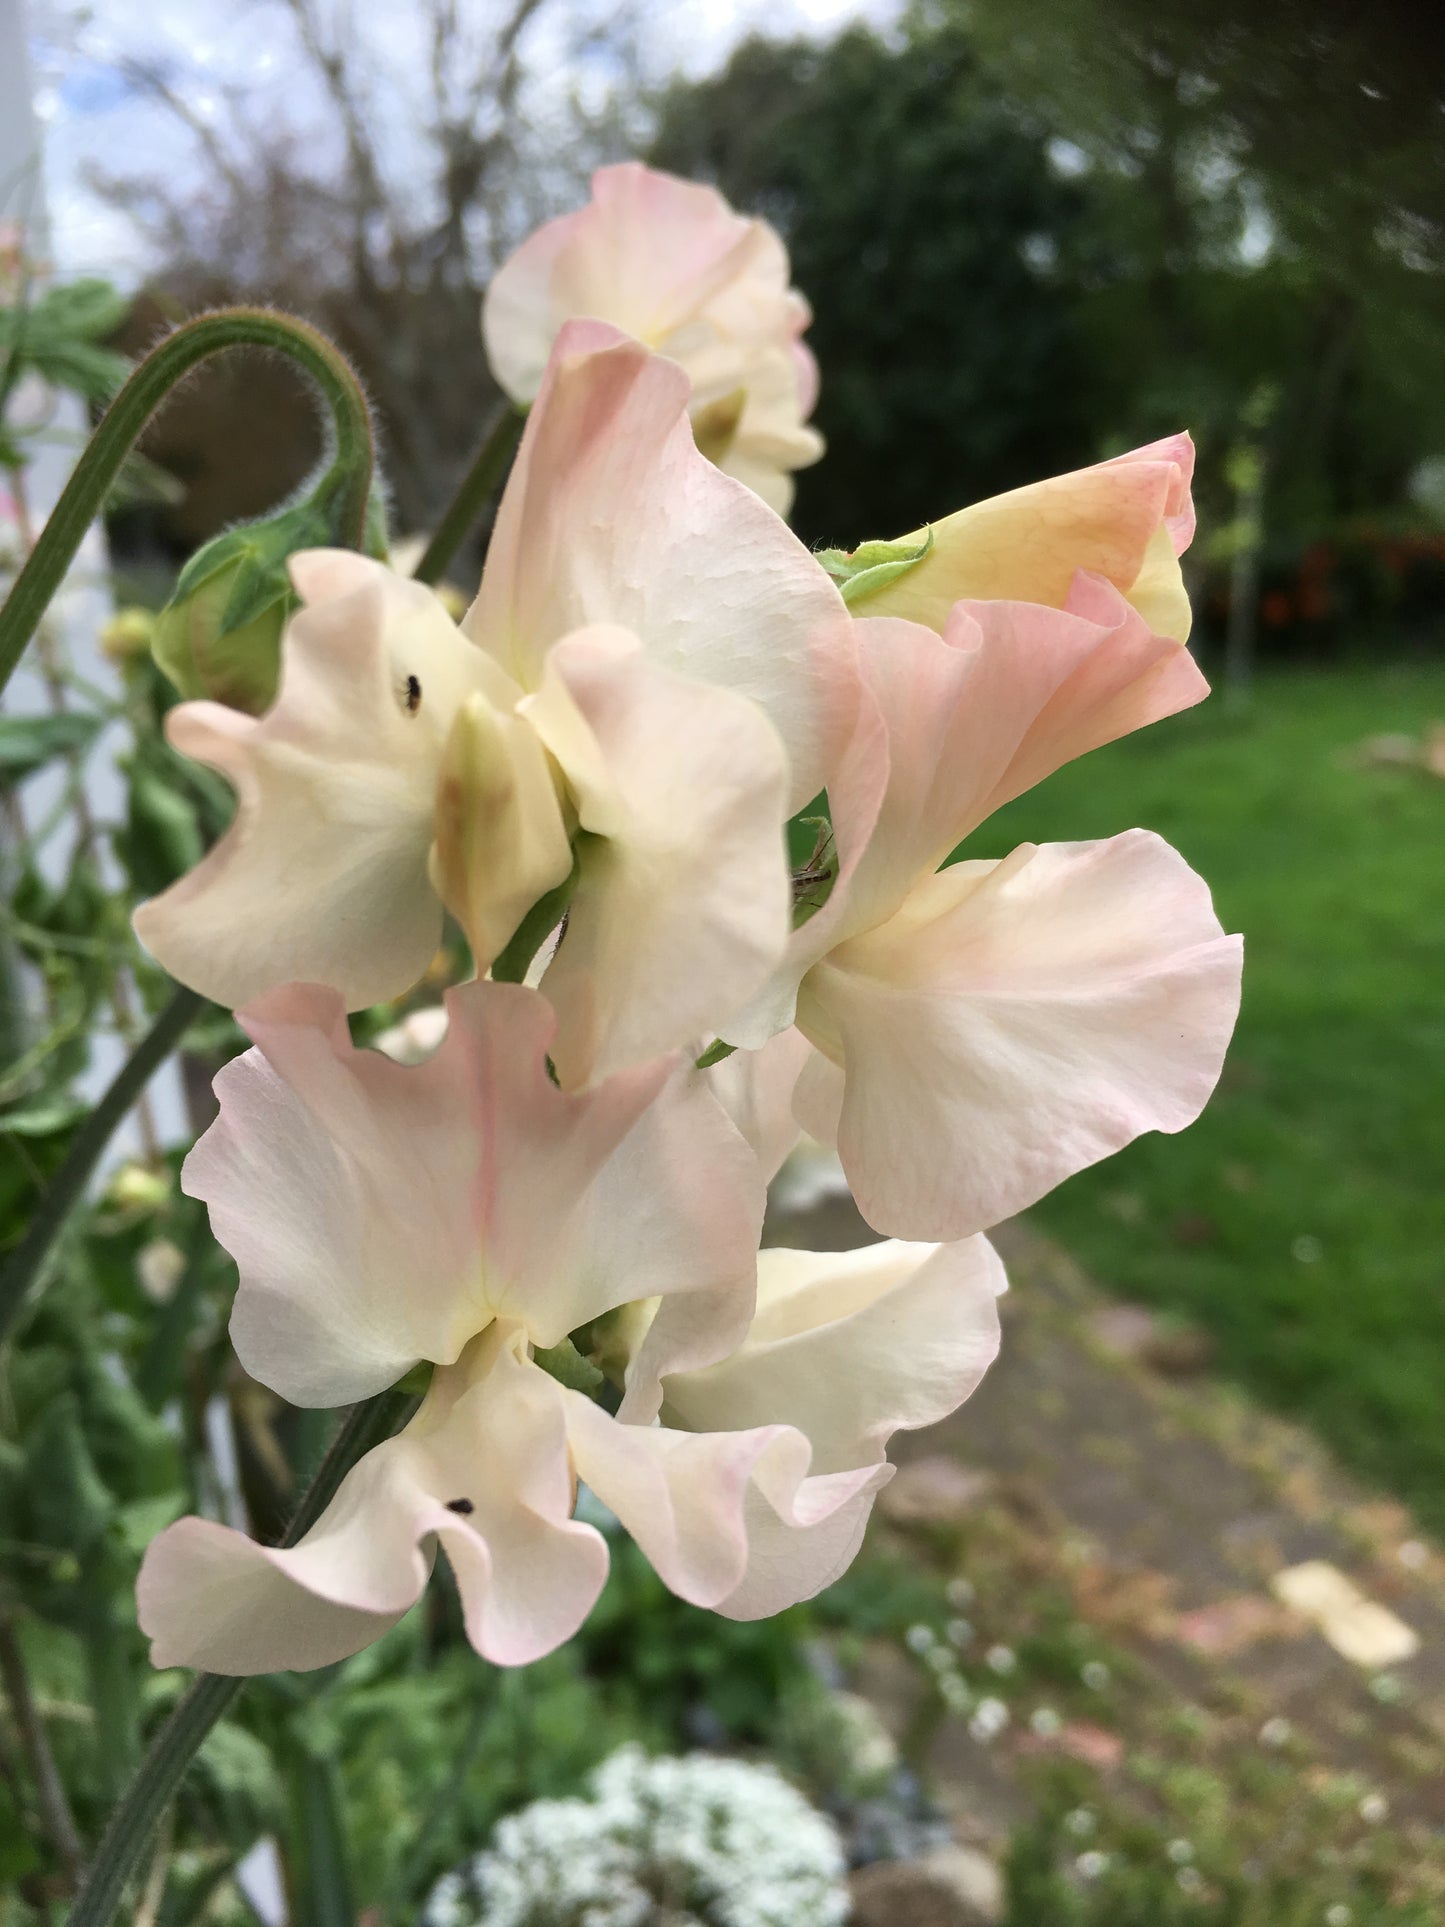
121 426
180 1739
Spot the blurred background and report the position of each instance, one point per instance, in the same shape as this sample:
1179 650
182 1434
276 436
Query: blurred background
1078 1676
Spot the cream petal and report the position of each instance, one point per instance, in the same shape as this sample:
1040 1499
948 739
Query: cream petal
1027 545
1016 1022
381 1214
755 1088
675 1216
612 517
681 909
693 1502
322 877
482 1470
850 1347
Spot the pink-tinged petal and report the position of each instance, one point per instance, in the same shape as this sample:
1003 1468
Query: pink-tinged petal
1008 693
380 1214
1015 1022
481 1470
611 517
857 786
851 1347
649 253
322 877
695 1503
1026 546
681 909
674 1216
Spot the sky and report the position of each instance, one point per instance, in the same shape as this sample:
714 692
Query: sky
91 117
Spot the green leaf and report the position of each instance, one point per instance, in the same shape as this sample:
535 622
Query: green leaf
28 743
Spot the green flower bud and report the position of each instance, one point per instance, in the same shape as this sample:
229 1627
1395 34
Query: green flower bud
220 633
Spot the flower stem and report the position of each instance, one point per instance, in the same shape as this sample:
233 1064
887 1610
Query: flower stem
477 487
121 426
68 1185
180 1739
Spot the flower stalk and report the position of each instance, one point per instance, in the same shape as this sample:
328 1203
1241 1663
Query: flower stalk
477 488
184 1732
67 1187
124 421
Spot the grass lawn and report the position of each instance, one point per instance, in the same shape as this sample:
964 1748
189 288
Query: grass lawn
1302 1219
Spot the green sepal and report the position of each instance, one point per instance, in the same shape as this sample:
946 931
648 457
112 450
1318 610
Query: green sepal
872 566
219 636
512 965
567 1365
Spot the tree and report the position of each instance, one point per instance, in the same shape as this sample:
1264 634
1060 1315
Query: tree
939 248
376 191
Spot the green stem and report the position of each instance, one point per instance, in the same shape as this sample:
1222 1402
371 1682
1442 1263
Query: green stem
476 489
68 1185
180 1739
123 422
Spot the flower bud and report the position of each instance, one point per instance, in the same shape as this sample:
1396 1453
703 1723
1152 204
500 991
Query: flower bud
220 633
129 633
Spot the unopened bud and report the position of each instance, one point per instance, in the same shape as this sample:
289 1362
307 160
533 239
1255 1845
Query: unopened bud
128 634
220 633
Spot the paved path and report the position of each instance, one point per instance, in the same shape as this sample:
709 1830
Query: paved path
1168 1507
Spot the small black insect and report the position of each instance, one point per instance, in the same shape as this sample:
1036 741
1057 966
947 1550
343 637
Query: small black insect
413 695
464 1506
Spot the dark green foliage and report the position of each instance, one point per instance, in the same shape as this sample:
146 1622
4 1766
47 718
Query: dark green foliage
913 199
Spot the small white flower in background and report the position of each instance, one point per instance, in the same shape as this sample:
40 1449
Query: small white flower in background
1275 1732
920 1639
960 1633
960 1593
1001 1660
1046 1722
1081 1822
1095 1675
1374 1808
1339 1915
1189 1880
694 1842
1181 1852
989 1721
1091 1864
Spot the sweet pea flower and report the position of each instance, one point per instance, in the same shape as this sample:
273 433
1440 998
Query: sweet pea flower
985 1030
1127 520
468 1212
671 263
654 674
